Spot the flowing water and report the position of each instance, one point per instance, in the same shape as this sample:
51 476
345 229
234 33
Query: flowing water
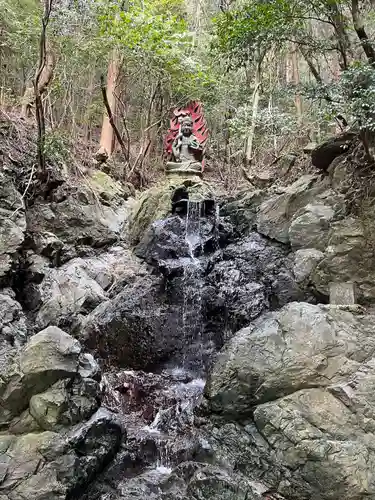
192 284
174 393
180 416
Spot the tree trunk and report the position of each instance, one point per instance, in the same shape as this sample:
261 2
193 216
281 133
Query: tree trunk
255 105
359 27
296 82
338 20
107 138
49 63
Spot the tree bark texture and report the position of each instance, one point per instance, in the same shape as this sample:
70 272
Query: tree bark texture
107 138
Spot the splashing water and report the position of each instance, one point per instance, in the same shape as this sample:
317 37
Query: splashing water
192 284
180 387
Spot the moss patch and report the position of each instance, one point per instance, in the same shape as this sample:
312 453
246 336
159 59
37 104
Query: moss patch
104 185
155 203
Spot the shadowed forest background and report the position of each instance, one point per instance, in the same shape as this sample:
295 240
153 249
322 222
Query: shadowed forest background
273 76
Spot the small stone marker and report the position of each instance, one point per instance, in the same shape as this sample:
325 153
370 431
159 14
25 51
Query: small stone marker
342 294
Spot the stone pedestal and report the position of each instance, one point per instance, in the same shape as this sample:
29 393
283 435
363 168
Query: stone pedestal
342 294
186 169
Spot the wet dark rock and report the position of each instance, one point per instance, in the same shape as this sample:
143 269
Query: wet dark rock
255 274
241 211
325 153
138 328
167 239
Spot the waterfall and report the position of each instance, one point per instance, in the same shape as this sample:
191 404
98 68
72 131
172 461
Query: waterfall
187 383
192 289
173 392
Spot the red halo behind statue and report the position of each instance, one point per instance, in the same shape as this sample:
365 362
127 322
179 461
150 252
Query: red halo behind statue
200 130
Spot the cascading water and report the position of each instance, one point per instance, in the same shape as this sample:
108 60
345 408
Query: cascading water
192 289
158 408
174 419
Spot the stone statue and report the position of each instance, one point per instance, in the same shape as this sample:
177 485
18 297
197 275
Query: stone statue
184 148
187 152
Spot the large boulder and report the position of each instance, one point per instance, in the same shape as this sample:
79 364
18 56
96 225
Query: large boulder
138 328
305 376
349 257
275 214
301 346
310 227
301 215
65 403
12 223
324 154
54 437
76 218
49 356
48 465
316 434
80 285
67 291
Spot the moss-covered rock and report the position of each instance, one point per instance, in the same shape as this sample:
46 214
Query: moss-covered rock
104 186
156 202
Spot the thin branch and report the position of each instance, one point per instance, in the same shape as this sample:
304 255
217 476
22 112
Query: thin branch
141 156
24 193
124 122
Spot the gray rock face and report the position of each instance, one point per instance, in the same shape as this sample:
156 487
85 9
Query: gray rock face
305 374
310 227
49 356
13 330
12 223
302 214
75 220
67 291
282 352
57 465
65 403
58 439
275 214
77 287
349 257
305 261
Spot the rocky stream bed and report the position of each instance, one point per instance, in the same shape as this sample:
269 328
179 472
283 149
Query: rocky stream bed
185 350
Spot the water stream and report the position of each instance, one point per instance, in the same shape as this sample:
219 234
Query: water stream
173 393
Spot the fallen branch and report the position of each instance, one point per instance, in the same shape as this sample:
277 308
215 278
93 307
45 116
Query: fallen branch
110 117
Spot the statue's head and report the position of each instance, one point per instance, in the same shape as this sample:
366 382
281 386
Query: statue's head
187 126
